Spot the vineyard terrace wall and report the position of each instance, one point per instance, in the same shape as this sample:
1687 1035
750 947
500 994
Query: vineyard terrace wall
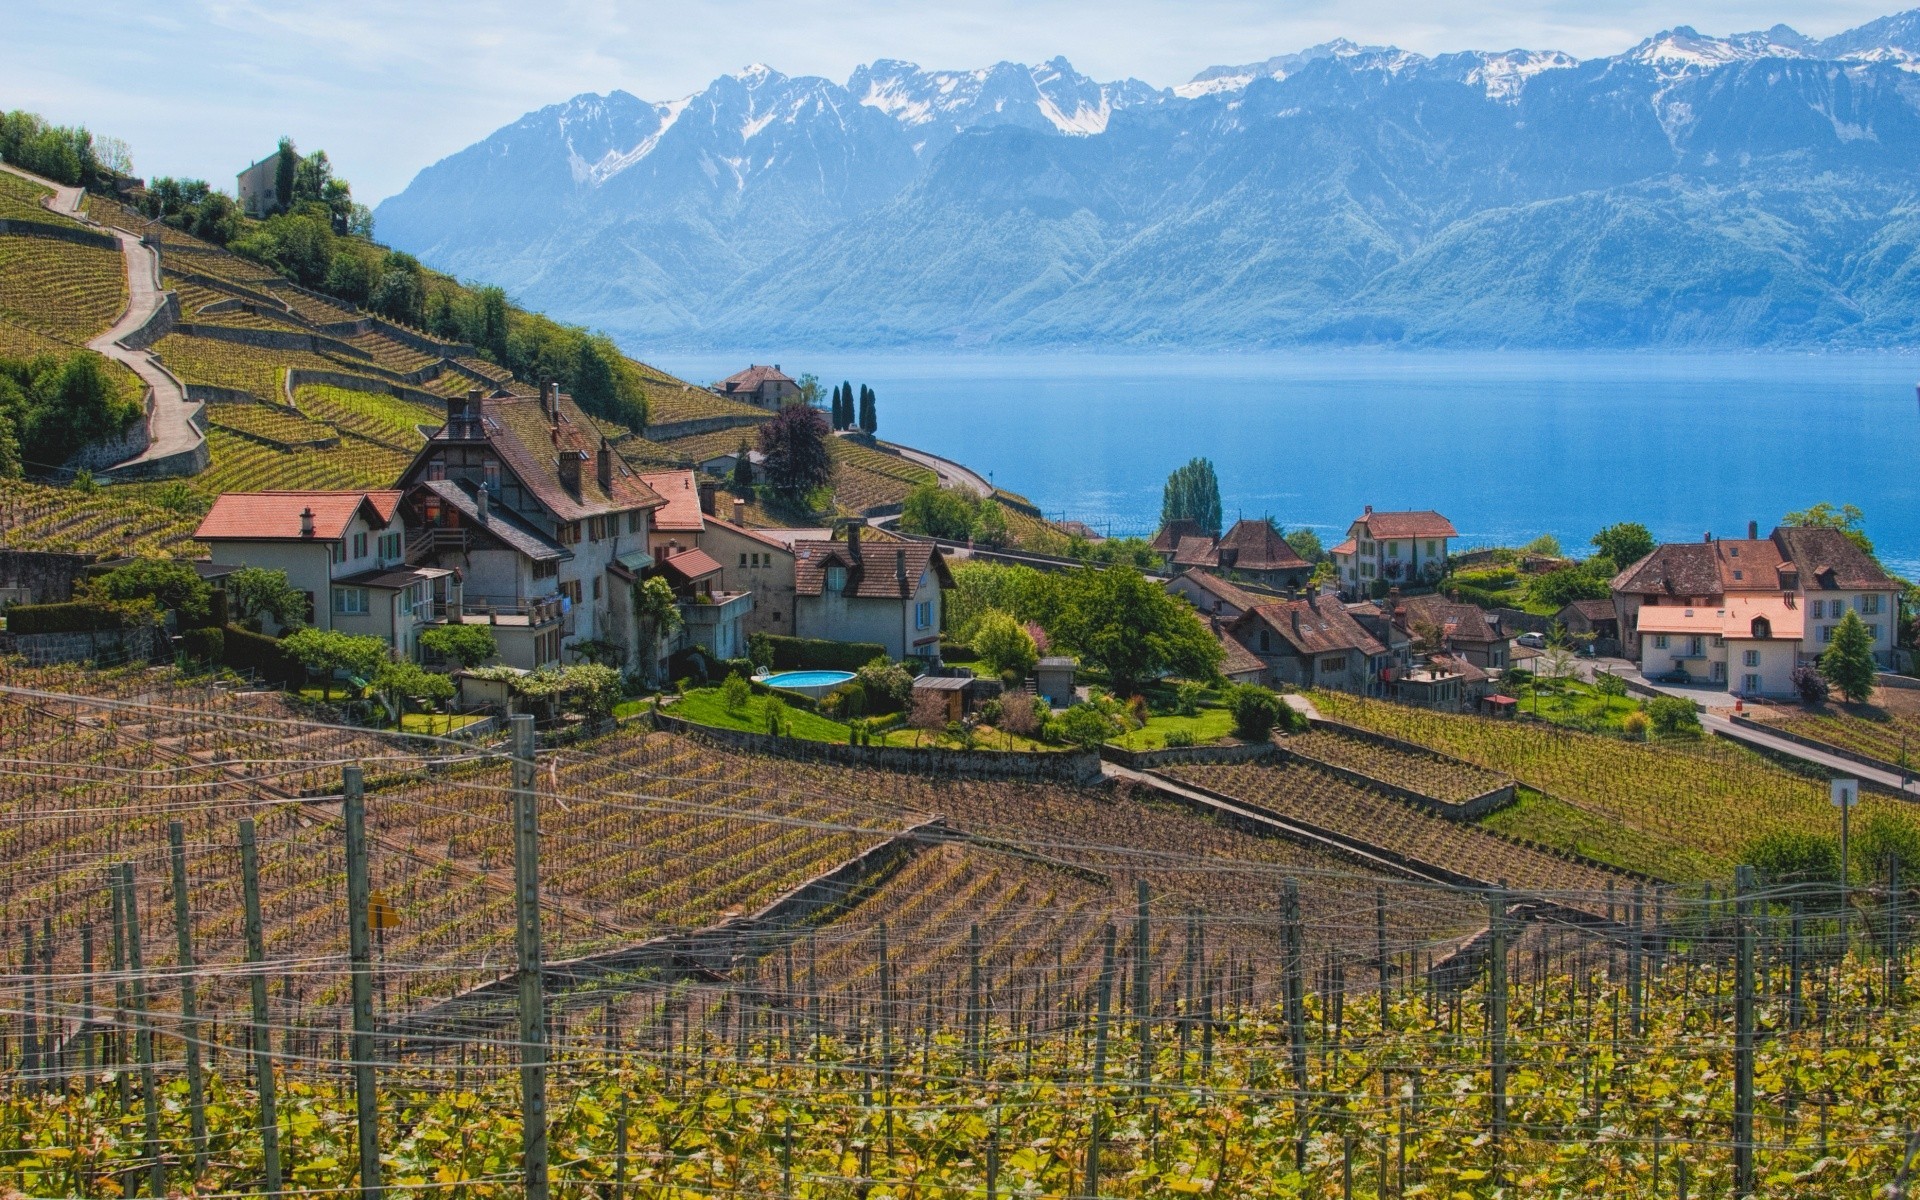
1147 760
1469 810
1078 768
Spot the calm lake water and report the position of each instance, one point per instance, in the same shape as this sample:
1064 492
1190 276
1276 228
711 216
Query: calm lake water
1508 445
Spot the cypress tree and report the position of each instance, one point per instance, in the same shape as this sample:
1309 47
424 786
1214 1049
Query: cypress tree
869 417
846 406
834 412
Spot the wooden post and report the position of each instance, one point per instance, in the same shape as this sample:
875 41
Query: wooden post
29 1022
142 1031
189 1001
261 1031
533 1025
1743 1166
1102 1013
976 1032
1295 957
87 1029
1381 963
360 955
1635 954
120 1023
1143 981
1497 1015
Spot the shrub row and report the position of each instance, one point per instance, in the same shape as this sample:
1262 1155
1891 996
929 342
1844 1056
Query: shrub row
75 616
815 654
245 650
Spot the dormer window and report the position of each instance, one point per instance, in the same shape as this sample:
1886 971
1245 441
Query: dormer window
1762 628
837 578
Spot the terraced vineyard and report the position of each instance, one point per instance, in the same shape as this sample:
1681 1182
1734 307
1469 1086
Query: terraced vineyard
241 465
21 198
1443 779
669 400
1325 800
105 522
1891 737
251 369
374 416
62 289
272 424
1705 801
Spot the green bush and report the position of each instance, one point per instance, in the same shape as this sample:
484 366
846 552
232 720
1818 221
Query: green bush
1085 725
1178 738
170 585
1187 698
847 700
1673 716
1256 710
812 654
74 616
206 645
735 693
245 650
1790 856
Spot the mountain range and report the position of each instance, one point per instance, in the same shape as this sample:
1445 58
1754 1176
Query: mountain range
1759 190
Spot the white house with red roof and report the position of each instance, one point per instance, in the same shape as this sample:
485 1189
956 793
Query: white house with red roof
1408 547
347 551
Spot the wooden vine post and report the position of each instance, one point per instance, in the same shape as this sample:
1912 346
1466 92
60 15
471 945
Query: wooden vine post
1295 963
360 954
1497 1016
189 1001
142 1030
262 1036
1743 1006
1102 1014
1143 982
533 1023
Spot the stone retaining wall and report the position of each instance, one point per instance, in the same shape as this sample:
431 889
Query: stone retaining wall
274 339
63 233
668 430
1078 767
165 320
108 647
1176 756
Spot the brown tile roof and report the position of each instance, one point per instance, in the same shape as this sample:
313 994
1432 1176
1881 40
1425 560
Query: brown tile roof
275 516
1229 593
681 512
1239 660
1417 523
531 445
755 534
1170 535
877 573
1828 559
691 564
1594 610
1673 569
1459 622
1346 547
1260 547
1195 552
1310 626
750 379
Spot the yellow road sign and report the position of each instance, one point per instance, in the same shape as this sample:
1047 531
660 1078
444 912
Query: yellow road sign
380 914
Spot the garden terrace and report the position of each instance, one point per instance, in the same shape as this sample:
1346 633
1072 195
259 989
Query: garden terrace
1687 810
253 369
109 522
1877 732
397 357
1447 780
1307 794
62 289
20 198
313 308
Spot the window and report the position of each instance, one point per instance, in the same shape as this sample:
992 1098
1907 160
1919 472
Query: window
1659 641
409 597
1739 575
1873 631
1393 549
596 588
349 601
1334 665
360 545
567 533
490 477
1869 604
545 568
1826 633
743 560
837 578
572 588
1750 683
1734 552
923 614
636 521
339 553
1819 609
1266 642
1430 550
1751 658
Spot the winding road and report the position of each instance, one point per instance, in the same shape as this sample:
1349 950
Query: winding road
170 427
952 474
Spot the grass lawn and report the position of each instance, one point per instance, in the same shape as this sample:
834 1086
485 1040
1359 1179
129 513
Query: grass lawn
1575 703
434 722
1210 726
1552 822
708 707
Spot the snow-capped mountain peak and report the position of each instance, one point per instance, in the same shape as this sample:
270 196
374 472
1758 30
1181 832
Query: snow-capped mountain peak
1684 50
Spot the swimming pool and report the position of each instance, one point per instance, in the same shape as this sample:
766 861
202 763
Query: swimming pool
810 683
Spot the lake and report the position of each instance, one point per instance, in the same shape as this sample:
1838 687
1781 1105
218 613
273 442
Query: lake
1507 445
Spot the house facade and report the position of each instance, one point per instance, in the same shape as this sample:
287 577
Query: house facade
348 552
1214 597
763 387
549 527
1743 613
1391 548
889 592
259 187
1252 550
1311 642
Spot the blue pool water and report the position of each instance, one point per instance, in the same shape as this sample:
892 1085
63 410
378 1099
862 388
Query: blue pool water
1509 445
808 681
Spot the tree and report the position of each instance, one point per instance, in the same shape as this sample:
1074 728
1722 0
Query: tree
256 592
656 615
1118 621
1625 542
1005 646
809 385
1847 518
741 483
399 682
1563 585
468 645
934 511
1673 716
869 411
169 585
794 444
1609 686
1546 545
927 712
990 525
1306 543
286 166
1811 686
1256 710
1848 661
1192 493
324 652
1886 837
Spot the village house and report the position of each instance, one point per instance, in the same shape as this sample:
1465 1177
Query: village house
1441 626
347 552
549 527
1743 613
752 563
1592 621
1387 548
1312 642
1252 550
762 387
259 187
1213 596
890 593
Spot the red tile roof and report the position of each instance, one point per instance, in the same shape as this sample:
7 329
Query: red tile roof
681 513
1416 523
1169 536
876 575
755 534
1260 547
275 516
752 378
691 564
1346 547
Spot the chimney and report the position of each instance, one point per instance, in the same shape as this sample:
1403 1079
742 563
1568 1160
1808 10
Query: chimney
603 466
570 470
739 511
548 403
709 497
1753 531
1368 512
900 569
853 538
459 406
306 521
1707 536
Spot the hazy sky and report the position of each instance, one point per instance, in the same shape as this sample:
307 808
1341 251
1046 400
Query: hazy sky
202 87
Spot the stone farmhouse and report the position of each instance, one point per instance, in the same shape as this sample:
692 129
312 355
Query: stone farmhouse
889 592
1252 550
1743 613
1392 548
259 187
764 387
1311 642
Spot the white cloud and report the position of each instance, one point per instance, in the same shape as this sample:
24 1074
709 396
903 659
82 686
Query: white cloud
201 87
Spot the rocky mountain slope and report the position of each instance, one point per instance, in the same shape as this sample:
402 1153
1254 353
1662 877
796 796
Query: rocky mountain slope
1753 190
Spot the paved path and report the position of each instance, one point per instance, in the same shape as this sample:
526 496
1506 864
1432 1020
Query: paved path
1891 780
1301 705
951 473
171 429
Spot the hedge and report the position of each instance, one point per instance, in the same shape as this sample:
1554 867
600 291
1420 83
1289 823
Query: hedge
245 650
818 654
204 645
76 616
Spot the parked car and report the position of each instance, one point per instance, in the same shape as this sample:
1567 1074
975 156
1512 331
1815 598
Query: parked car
1537 640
